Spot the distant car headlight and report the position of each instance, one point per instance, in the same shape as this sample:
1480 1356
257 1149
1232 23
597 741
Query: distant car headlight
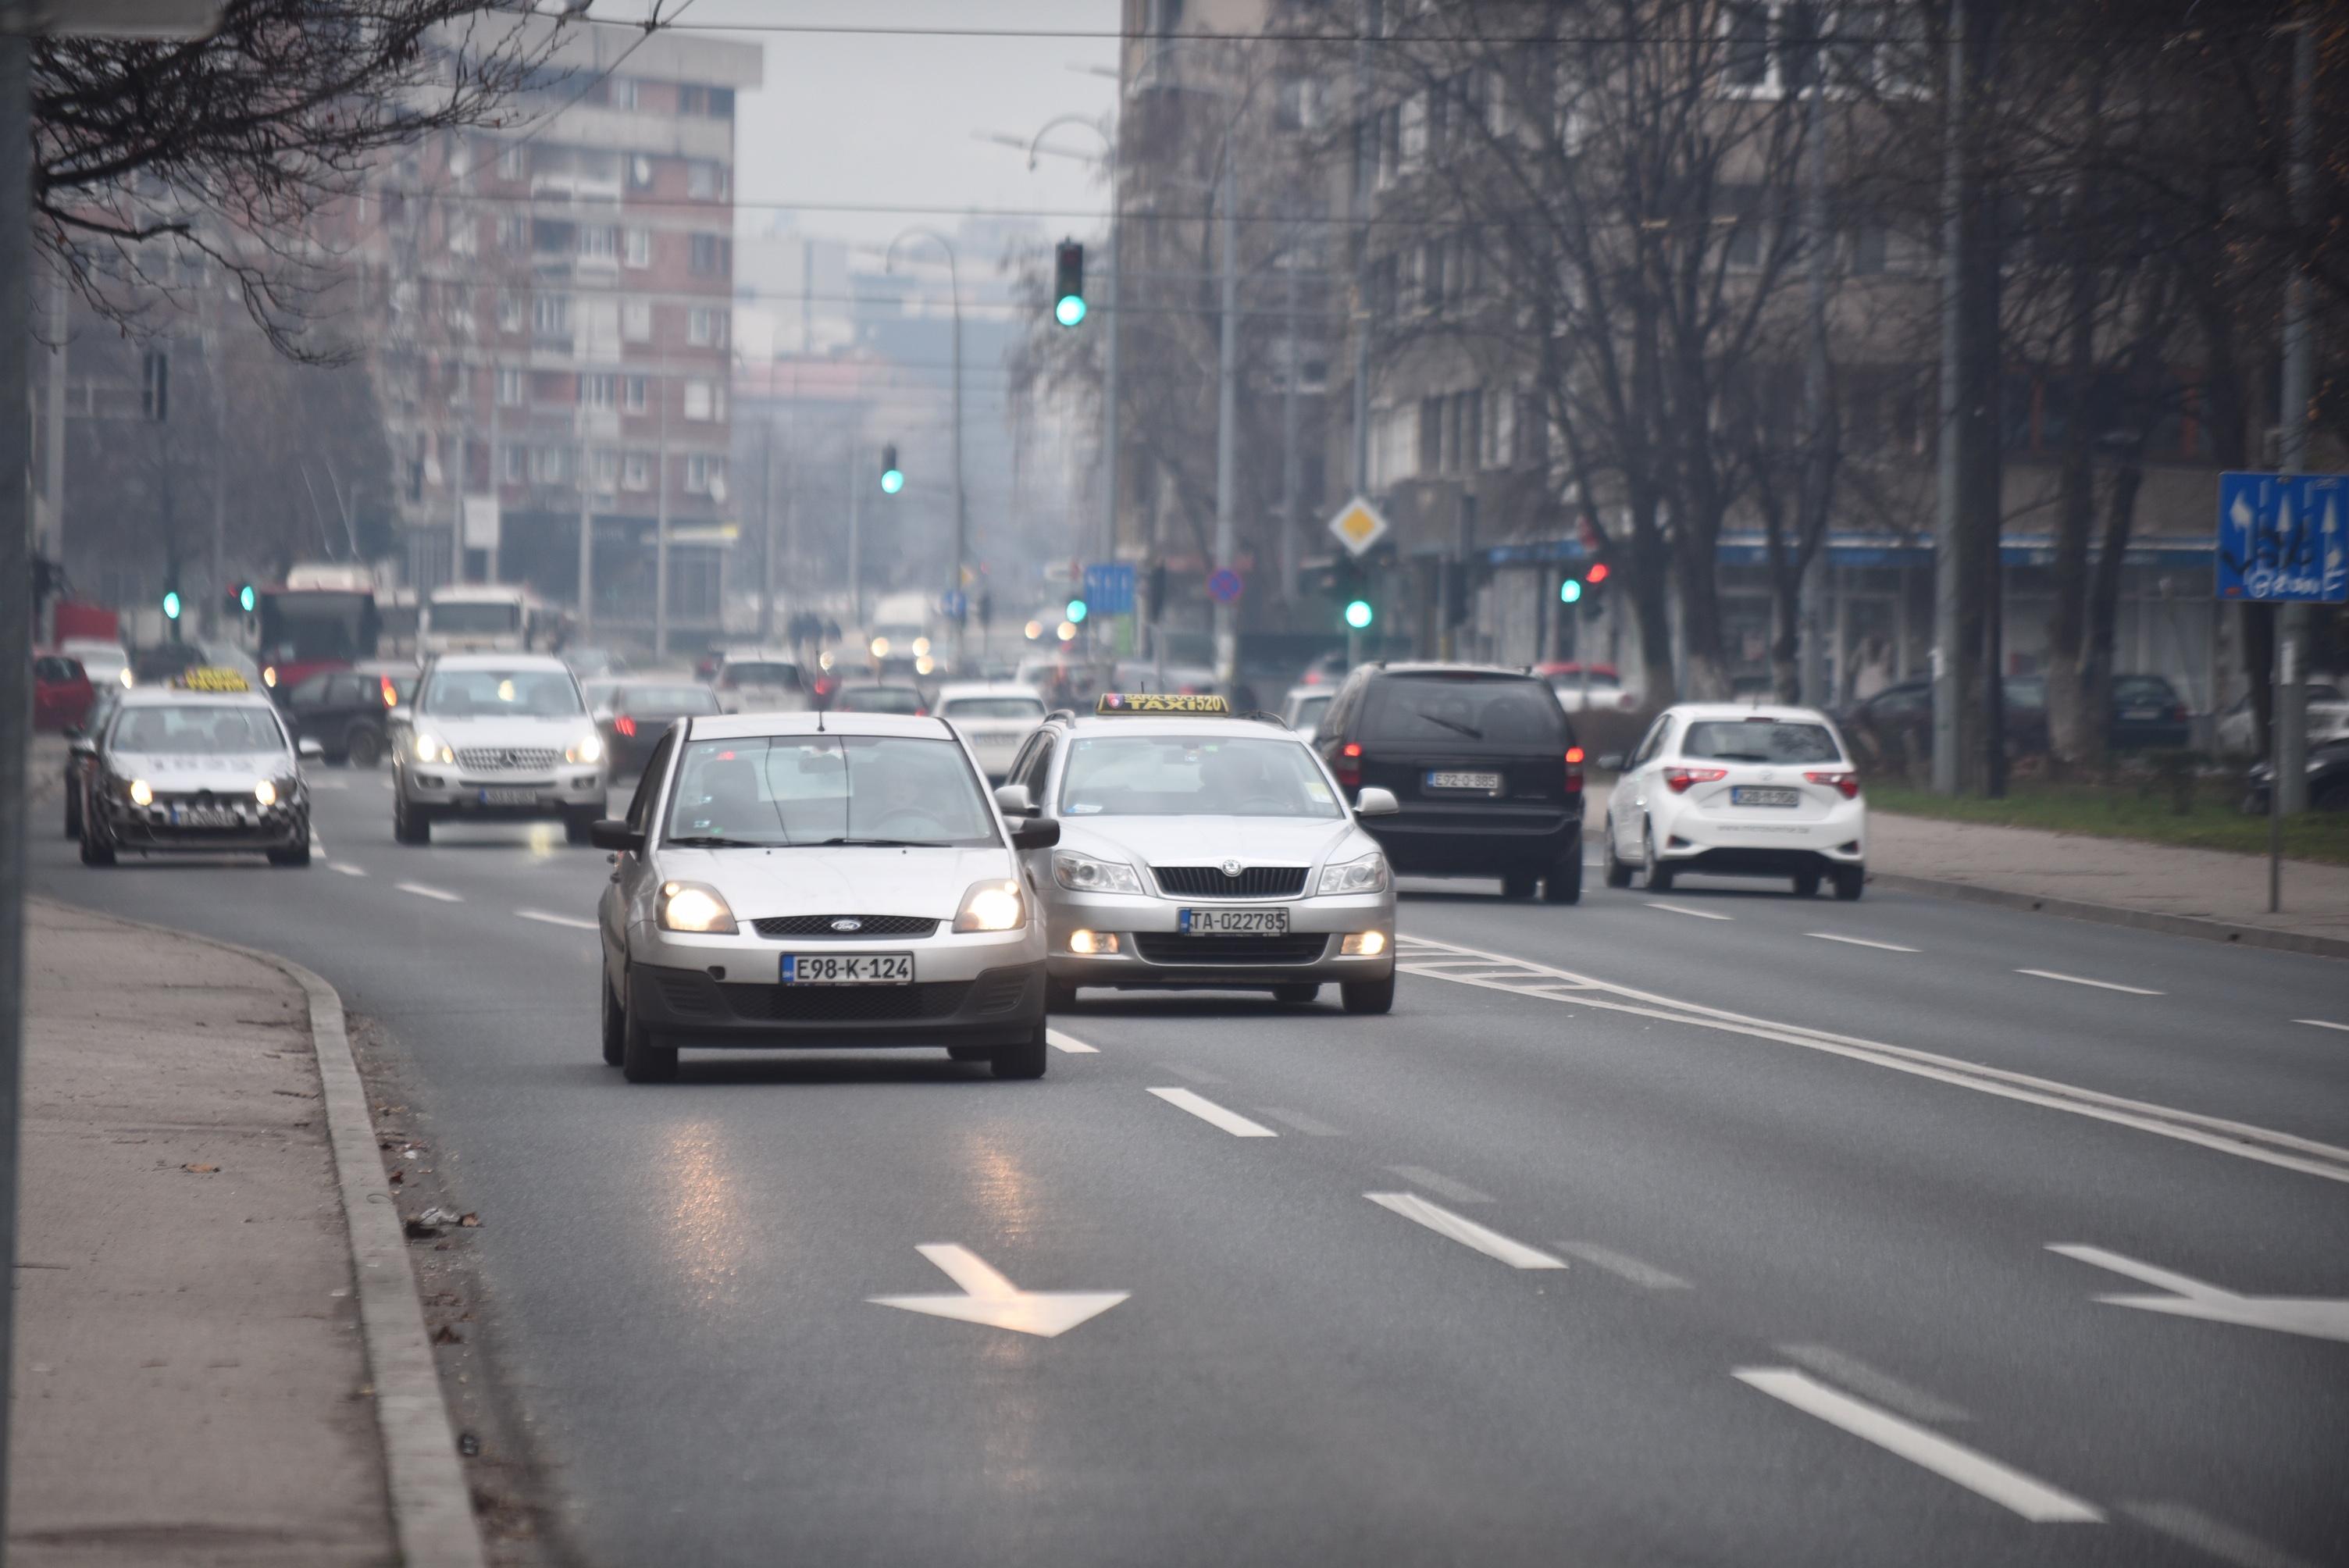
992 906
1368 874
1082 873
432 749
265 792
689 906
588 748
142 793
127 677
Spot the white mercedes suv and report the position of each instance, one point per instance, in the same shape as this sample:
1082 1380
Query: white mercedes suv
495 737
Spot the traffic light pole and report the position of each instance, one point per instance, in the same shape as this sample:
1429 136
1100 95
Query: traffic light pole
1227 418
16 650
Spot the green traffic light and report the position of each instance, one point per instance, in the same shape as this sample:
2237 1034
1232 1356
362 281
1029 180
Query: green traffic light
1358 614
1077 612
1070 310
1569 591
892 480
246 598
171 606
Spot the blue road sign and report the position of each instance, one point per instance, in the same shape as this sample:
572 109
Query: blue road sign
1225 585
2283 538
1108 589
957 605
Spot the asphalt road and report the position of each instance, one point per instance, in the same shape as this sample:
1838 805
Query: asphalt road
1709 1228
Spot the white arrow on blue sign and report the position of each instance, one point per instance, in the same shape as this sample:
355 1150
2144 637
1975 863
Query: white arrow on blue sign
2283 538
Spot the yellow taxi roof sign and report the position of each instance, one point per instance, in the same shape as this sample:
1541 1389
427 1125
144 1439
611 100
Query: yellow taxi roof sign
1136 702
210 678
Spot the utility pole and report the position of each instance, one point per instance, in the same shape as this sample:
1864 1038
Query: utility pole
1812 641
2290 785
1227 415
660 532
586 520
767 538
54 477
962 515
856 543
1291 459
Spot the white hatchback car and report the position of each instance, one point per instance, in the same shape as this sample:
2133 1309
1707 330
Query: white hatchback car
1727 789
993 717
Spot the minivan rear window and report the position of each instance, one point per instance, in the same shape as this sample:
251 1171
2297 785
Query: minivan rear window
1449 711
1759 740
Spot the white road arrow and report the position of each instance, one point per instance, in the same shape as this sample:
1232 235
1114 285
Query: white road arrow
2320 1317
989 1298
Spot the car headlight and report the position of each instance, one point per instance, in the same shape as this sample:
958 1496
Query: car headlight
689 906
142 793
1082 873
992 906
1368 874
588 748
265 792
432 749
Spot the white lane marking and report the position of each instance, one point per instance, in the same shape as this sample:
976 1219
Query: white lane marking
1443 1186
1977 1472
2286 1150
989 1298
1464 1231
346 867
1300 1121
2215 1536
1068 1043
2323 1023
1881 1386
1862 942
2319 1317
420 891
1215 1115
2084 980
1683 909
1645 1275
572 922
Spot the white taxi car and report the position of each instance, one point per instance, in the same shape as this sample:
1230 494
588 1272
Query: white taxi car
1197 851
1729 789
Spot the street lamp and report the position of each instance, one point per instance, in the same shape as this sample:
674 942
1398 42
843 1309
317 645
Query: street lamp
962 524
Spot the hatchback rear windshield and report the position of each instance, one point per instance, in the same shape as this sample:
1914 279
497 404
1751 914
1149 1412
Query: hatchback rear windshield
993 708
2144 691
773 792
665 699
1445 711
1759 740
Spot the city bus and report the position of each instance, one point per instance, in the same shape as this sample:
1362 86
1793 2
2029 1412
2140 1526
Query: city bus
322 618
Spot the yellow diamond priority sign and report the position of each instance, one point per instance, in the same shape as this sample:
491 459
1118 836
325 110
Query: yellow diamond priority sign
1359 525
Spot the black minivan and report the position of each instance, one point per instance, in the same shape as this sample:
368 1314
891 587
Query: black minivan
1481 759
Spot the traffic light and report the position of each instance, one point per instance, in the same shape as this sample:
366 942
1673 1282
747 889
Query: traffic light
1069 283
172 604
1077 612
893 477
1569 591
1587 591
155 386
243 599
1359 615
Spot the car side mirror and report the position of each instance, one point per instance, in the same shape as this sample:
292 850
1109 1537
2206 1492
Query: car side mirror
1610 761
1036 835
309 749
1012 800
400 714
1374 801
612 833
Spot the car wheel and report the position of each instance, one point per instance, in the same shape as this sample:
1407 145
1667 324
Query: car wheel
616 1022
72 812
641 1059
1517 885
1659 876
1060 996
363 747
1806 885
409 824
1849 881
1369 996
1296 995
2332 798
1617 873
1024 1061
1564 883
94 849
972 1053
576 830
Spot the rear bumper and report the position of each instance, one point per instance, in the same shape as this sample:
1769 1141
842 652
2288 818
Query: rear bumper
1463 846
687 1008
1747 862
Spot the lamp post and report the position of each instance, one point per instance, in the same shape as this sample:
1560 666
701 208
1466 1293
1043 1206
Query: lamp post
962 519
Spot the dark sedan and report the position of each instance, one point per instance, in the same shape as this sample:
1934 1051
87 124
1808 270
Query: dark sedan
635 713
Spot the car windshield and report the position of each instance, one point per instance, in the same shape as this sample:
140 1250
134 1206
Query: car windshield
879 699
484 692
760 673
1311 708
1446 711
1759 740
992 708
1193 775
665 699
799 790
204 731
476 617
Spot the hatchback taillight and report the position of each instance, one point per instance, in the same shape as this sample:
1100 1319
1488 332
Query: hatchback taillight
1350 766
1845 784
1678 780
1574 771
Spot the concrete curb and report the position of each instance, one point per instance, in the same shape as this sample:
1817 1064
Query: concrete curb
431 1505
2114 914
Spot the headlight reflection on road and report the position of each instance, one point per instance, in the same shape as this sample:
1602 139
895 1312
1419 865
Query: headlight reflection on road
994 1180
704 1234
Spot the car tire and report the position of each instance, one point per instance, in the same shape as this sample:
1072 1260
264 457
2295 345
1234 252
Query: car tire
1806 884
1850 881
409 824
616 1022
642 1059
72 812
972 1053
293 854
1617 873
1297 995
1369 996
1060 996
1024 1061
2332 798
576 830
363 746
1564 883
1659 876
95 851
1518 886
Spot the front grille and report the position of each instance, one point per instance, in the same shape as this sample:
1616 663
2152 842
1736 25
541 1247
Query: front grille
821 925
508 759
848 1003
1209 881
1168 947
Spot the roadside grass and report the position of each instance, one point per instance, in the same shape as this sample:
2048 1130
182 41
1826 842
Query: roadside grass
2130 808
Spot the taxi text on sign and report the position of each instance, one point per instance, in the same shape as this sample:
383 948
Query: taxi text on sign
2283 538
1359 525
1117 702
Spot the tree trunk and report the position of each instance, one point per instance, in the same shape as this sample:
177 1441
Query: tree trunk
2076 508
2105 597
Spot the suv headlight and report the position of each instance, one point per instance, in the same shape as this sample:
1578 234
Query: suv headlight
1082 873
429 747
690 906
1368 874
588 748
992 906
140 792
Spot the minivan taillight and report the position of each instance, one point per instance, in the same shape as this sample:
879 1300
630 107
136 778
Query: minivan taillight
1678 780
1574 771
1350 766
1845 784
625 726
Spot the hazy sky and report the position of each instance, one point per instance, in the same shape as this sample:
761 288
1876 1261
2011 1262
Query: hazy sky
866 117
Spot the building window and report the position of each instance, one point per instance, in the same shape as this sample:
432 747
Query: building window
722 103
705 180
513 386
636 471
605 464
550 315
599 240
692 99
706 326
514 162
640 248
516 464
509 311
704 400
632 393
624 92
636 320
513 233
550 465
598 388
640 174
1297 106
712 255
701 470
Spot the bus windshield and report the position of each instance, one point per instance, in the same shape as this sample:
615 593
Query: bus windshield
476 616
313 625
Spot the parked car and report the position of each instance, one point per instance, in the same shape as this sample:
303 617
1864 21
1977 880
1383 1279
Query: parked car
1302 710
2328 719
879 696
993 718
635 713
62 692
759 680
2328 779
101 659
81 752
2149 714
1882 730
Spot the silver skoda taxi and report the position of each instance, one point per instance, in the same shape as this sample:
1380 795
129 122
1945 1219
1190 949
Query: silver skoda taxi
803 880
1202 850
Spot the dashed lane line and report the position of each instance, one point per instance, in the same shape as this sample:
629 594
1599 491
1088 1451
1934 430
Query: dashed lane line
569 922
2214 1536
1465 1231
420 891
346 867
1443 1186
2084 980
1623 1265
1683 909
2001 1483
1068 1043
1214 1115
1864 1380
1862 942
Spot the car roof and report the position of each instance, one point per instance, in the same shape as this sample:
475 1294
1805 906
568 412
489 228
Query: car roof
495 661
757 726
1432 667
758 657
1738 710
1174 724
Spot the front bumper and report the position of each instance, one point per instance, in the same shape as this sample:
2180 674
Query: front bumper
1154 954
570 790
150 829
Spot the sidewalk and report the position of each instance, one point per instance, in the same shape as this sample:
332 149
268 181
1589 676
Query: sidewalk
190 1378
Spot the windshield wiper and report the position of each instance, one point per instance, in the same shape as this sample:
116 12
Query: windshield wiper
1470 730
879 843
718 841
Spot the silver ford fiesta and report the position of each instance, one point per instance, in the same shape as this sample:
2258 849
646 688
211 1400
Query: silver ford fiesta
793 879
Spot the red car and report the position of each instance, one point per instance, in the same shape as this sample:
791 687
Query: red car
61 692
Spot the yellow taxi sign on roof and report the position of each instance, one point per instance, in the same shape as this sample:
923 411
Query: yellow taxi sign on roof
210 678
1129 702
